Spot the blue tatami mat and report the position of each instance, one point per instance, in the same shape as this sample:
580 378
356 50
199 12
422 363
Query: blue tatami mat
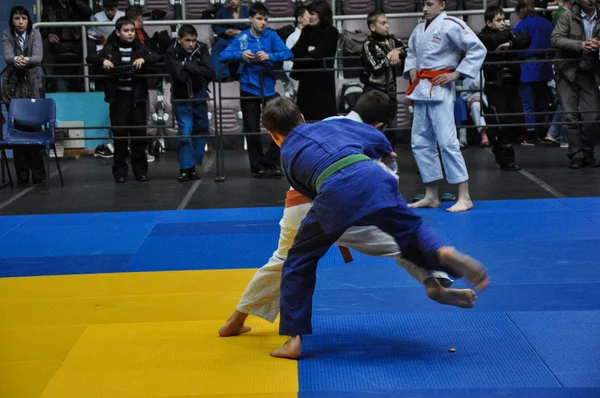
66 265
473 227
398 352
574 261
8 223
74 240
567 342
399 300
462 393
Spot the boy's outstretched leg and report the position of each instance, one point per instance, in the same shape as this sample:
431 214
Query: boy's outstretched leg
464 266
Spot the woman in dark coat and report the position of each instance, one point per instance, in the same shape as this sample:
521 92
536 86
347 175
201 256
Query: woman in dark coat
316 90
22 50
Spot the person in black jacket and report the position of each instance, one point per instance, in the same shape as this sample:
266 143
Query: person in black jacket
316 90
123 57
502 83
190 64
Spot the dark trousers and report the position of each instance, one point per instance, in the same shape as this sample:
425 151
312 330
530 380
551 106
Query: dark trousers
505 99
581 95
29 159
125 113
417 244
251 110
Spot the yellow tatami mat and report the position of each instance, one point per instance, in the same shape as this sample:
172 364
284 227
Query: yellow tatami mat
135 335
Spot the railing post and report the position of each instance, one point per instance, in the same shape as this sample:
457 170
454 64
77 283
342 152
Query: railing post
86 68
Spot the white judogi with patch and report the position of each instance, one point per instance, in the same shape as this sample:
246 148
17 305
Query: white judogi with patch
439 47
261 297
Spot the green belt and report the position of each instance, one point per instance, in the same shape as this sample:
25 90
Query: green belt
337 166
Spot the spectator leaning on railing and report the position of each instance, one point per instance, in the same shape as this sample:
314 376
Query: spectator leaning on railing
22 51
576 36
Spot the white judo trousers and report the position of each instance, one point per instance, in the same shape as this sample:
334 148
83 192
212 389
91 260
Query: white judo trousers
261 297
439 47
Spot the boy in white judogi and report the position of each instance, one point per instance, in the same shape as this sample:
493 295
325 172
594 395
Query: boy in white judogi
433 64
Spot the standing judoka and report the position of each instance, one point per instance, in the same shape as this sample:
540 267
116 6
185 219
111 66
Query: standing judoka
331 162
433 64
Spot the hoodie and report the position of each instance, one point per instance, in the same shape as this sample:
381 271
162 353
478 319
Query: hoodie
250 72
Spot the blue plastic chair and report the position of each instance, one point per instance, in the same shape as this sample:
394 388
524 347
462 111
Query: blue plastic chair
37 113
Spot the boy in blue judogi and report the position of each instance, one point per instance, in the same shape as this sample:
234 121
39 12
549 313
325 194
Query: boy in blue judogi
331 163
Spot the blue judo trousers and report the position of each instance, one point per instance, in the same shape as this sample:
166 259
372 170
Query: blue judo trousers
361 194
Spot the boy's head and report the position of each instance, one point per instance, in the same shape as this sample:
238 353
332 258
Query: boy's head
525 8
135 14
375 108
378 23
281 116
186 37
301 17
433 8
125 29
258 16
110 8
495 18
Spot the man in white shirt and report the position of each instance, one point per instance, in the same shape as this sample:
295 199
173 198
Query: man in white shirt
110 14
301 20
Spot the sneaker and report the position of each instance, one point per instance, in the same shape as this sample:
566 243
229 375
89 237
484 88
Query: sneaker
564 144
183 177
276 173
262 173
150 158
102 151
193 175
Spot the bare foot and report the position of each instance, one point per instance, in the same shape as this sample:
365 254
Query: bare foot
464 298
465 266
461 205
431 203
235 325
291 349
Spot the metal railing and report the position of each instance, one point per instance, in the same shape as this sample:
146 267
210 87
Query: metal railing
338 19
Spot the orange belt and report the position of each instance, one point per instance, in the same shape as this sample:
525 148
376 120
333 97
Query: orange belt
426 74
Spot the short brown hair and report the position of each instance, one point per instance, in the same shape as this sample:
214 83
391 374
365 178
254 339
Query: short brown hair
281 116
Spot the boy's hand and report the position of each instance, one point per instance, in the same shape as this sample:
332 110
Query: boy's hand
138 63
107 64
390 159
413 74
262 56
235 32
248 56
446 78
504 47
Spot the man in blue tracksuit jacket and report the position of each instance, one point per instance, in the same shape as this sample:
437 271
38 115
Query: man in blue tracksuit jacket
258 48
